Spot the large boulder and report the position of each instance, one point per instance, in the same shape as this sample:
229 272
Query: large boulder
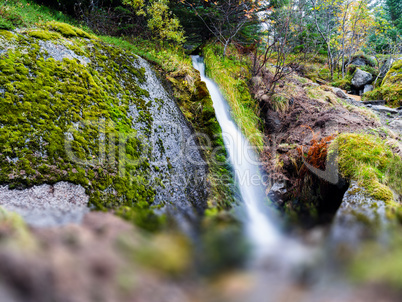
74 109
361 78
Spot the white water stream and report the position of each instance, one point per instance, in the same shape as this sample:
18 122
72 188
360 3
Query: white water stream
260 226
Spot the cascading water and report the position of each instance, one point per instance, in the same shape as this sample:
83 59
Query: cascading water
260 226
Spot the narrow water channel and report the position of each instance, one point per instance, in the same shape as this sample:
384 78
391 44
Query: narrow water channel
260 224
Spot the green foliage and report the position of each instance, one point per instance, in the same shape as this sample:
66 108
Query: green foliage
26 13
163 24
160 19
368 160
232 74
395 10
343 83
5 24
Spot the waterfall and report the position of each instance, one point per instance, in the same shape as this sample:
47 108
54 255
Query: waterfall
260 223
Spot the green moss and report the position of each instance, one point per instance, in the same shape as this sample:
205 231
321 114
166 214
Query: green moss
368 160
44 34
391 88
344 83
49 107
68 30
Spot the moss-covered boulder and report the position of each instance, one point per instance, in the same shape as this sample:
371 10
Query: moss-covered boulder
391 88
75 109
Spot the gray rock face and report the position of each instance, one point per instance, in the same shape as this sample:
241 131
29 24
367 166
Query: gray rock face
59 52
182 169
277 192
384 109
368 88
361 78
47 205
339 93
359 217
359 62
396 124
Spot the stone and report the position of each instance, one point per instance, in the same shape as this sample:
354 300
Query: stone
265 98
358 218
374 102
361 78
321 82
359 61
277 192
368 88
384 109
47 205
353 102
396 124
339 93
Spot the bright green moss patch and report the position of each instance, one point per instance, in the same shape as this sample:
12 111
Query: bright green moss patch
44 34
7 34
68 30
63 121
232 74
344 83
391 88
368 160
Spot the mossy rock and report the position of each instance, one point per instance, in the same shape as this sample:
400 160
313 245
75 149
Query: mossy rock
368 160
55 115
391 88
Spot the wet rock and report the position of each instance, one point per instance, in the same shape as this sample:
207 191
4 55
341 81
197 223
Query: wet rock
384 109
368 88
47 205
361 78
359 217
373 102
339 93
182 168
277 192
272 121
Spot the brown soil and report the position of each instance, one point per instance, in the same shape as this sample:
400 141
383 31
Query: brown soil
313 112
